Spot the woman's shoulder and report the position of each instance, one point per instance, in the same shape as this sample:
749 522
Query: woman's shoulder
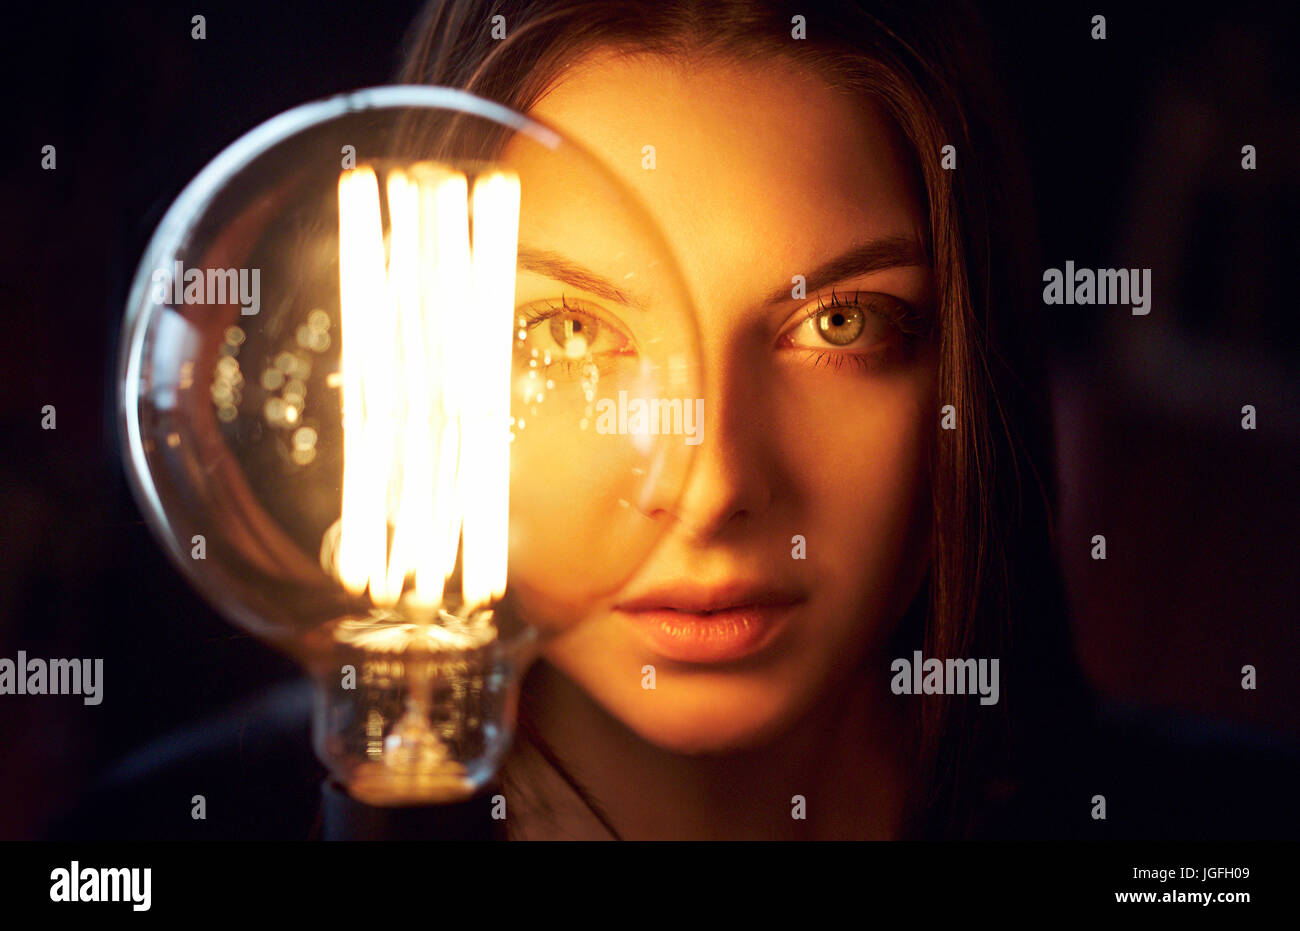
1128 773
247 772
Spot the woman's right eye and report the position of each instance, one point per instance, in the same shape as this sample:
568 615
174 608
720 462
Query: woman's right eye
560 334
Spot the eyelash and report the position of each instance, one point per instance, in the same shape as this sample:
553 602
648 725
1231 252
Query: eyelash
552 307
906 320
863 361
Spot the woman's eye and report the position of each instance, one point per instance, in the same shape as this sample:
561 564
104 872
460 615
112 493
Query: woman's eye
559 334
841 325
866 331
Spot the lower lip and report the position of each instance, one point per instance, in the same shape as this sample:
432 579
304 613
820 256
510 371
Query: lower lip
718 637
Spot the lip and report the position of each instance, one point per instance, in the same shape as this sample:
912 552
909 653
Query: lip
694 624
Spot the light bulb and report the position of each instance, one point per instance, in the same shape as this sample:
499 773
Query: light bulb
408 382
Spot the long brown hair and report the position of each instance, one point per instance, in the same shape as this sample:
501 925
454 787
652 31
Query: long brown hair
993 589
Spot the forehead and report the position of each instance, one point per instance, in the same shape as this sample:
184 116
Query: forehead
748 160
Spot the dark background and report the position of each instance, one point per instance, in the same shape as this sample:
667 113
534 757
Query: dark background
1134 145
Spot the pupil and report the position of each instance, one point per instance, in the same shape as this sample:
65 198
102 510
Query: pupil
840 327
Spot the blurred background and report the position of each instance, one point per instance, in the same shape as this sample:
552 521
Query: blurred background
1134 145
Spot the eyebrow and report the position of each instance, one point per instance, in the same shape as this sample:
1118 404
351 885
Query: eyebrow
554 265
872 256
863 259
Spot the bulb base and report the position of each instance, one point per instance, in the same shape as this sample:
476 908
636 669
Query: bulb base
347 818
415 714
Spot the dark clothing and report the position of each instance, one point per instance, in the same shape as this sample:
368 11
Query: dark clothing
1163 777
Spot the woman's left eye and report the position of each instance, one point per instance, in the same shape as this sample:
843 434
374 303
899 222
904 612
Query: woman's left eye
860 330
839 326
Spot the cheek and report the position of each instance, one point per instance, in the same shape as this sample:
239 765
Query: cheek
857 447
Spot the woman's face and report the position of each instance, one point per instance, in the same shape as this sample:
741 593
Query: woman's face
802 534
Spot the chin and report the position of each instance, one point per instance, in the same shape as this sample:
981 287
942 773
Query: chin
693 710
705 715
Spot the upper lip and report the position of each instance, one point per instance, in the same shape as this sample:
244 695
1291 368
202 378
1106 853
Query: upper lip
692 598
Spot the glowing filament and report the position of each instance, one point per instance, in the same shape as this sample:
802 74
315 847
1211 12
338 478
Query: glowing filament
426 356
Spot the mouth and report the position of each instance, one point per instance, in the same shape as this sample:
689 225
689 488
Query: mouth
693 624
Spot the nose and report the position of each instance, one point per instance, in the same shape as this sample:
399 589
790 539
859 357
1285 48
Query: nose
732 479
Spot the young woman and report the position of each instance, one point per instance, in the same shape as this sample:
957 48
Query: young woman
873 493
892 417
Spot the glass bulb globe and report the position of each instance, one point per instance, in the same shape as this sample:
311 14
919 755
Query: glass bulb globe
406 379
